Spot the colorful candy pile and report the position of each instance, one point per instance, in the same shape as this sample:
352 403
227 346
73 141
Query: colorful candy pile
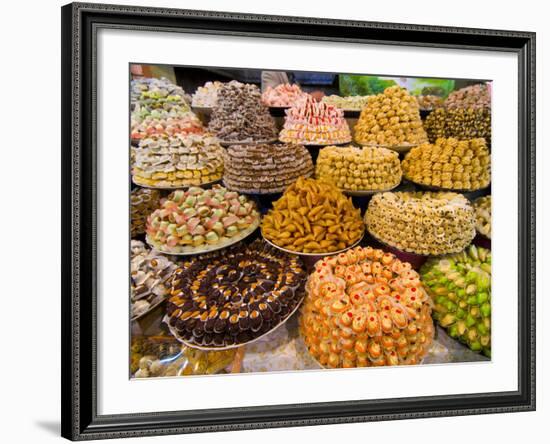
460 286
194 219
315 123
163 161
282 95
187 123
366 308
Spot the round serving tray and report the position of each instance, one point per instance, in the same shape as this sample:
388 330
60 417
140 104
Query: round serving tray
180 187
187 251
297 253
228 347
248 142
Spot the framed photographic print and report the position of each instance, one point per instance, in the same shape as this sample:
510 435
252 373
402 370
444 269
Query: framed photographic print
279 221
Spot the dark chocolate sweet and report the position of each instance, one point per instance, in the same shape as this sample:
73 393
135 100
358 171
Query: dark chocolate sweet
233 296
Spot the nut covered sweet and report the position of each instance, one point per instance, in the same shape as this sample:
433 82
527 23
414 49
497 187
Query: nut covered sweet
482 207
450 164
390 119
366 308
352 169
164 161
265 168
197 219
313 217
462 123
240 116
474 96
231 297
425 223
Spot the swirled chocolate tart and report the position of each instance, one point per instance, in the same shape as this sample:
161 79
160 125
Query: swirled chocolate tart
231 297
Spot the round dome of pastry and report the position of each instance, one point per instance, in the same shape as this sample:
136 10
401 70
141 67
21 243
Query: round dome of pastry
198 218
474 96
461 123
390 119
460 286
450 163
313 217
233 296
314 123
351 168
429 223
163 161
365 308
265 168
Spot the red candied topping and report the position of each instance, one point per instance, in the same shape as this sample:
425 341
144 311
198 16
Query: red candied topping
397 296
413 298
413 289
411 279
349 276
398 311
356 296
350 314
387 307
392 353
371 319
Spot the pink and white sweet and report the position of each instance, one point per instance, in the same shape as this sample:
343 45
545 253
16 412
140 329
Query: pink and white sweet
315 123
283 95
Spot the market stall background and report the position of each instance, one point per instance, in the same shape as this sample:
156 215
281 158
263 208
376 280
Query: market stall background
164 114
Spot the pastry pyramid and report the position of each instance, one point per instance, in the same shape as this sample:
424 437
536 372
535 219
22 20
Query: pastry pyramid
315 123
265 168
240 115
390 119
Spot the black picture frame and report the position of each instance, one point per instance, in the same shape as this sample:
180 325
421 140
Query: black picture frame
80 23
